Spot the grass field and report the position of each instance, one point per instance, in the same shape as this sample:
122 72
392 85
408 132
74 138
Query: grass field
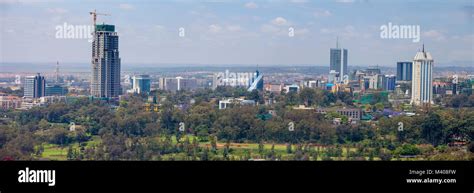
238 150
57 152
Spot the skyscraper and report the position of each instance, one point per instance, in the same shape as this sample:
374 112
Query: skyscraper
105 62
338 62
404 71
56 73
141 84
389 82
257 82
422 80
34 86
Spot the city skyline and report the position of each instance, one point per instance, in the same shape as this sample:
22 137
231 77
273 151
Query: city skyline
85 84
221 32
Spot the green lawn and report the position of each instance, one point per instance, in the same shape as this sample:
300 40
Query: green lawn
56 152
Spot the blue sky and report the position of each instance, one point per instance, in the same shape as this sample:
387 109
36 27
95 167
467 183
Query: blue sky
240 32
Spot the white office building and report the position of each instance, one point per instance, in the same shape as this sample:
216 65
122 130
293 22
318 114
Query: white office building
422 79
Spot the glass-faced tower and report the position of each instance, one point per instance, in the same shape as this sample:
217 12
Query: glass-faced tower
105 80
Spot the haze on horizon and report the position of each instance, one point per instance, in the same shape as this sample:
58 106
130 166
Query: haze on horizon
240 32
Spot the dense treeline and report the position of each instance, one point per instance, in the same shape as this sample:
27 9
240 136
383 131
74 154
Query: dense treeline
128 132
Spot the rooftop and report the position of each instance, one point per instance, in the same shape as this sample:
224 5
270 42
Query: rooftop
105 27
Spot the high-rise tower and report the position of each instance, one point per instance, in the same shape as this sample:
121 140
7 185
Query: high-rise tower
338 62
404 71
422 80
34 86
56 72
105 80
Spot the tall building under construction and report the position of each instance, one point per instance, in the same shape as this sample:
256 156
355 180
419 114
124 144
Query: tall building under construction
105 80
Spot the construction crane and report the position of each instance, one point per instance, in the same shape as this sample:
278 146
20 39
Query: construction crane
94 16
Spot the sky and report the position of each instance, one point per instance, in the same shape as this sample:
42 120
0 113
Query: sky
240 32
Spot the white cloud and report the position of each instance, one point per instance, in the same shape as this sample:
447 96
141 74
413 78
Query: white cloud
278 26
56 10
301 32
345 1
159 28
349 28
251 5
322 13
214 28
26 2
326 31
434 34
269 28
202 13
193 12
126 6
280 21
233 28
298 1
347 31
279 31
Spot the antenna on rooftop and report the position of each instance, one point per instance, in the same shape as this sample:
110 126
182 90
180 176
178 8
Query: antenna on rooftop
56 72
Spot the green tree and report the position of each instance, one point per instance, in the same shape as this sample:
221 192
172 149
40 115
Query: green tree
432 129
256 96
213 140
288 148
43 124
70 153
225 153
307 96
385 155
271 154
59 135
379 106
205 154
260 148
407 149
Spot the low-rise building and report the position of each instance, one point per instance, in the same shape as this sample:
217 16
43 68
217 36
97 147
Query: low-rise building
292 88
9 102
274 88
178 83
351 113
229 103
55 90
